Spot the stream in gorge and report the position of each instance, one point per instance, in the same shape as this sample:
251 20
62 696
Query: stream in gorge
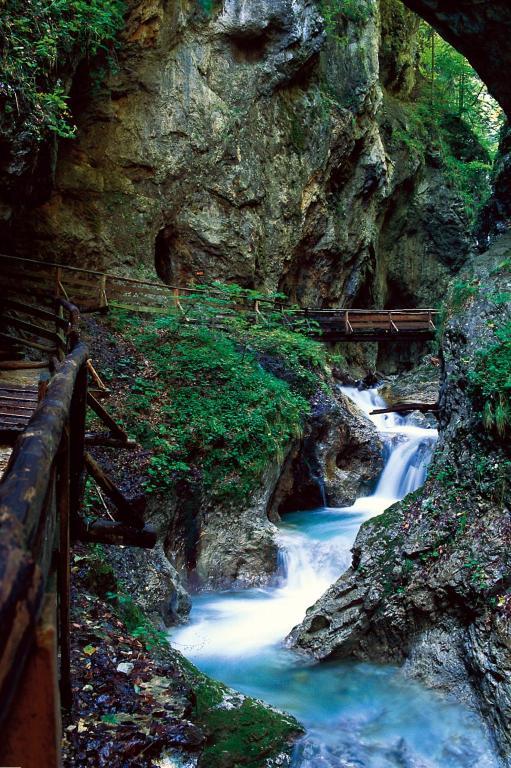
357 715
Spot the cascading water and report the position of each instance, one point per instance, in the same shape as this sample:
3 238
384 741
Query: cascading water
357 715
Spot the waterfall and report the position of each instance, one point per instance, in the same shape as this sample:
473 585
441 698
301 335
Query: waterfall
355 714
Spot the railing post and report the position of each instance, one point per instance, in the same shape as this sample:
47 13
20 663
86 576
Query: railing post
103 298
58 282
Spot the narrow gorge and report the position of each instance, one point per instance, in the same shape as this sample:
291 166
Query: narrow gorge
280 229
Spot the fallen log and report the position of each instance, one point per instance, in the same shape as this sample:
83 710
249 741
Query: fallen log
407 408
108 532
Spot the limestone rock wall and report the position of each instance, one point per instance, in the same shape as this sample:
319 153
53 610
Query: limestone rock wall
253 145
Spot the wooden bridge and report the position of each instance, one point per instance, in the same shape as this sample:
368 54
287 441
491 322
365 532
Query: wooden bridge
98 291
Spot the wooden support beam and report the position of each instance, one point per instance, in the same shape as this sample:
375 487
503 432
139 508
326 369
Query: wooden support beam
63 493
128 511
407 408
96 377
108 532
106 440
22 365
105 417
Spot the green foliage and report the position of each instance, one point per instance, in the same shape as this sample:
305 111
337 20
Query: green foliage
137 623
223 401
335 12
454 120
460 293
38 39
245 732
454 92
491 382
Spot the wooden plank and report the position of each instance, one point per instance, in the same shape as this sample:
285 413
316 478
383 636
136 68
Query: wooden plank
29 309
20 397
22 365
35 330
107 441
141 309
83 280
407 408
15 418
9 408
29 343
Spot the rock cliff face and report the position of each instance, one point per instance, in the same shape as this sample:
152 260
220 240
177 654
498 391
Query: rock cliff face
257 145
430 578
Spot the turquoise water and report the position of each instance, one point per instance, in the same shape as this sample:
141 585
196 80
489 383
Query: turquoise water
357 715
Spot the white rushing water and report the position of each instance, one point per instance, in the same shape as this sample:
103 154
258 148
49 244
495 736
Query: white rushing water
357 715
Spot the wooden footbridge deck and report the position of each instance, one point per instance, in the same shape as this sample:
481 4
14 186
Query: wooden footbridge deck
47 382
97 291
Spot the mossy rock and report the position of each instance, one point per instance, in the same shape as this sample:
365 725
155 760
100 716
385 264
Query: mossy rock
242 732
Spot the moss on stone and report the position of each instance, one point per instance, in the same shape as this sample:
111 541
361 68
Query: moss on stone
241 731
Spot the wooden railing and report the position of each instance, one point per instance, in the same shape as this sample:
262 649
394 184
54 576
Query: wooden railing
370 324
40 497
97 291
41 490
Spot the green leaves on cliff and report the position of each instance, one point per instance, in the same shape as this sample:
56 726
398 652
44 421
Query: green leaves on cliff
453 89
39 41
218 405
335 12
456 119
491 382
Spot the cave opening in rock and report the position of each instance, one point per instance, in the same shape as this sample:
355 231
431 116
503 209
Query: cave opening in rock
163 254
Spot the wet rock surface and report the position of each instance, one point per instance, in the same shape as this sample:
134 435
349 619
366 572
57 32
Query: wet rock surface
429 579
338 459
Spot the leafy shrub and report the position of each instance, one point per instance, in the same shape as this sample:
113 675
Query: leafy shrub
38 39
224 402
460 294
491 382
335 11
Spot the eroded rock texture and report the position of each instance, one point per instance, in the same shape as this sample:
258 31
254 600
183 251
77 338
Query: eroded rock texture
338 459
251 145
429 579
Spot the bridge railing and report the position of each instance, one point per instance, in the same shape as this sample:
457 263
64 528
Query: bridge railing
94 290
37 497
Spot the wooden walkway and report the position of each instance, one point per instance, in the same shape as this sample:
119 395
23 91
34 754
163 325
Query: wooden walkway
96 291
44 395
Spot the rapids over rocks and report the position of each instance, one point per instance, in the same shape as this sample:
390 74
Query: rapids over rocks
357 715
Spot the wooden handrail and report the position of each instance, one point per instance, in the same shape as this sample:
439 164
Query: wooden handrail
130 280
178 291
28 521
